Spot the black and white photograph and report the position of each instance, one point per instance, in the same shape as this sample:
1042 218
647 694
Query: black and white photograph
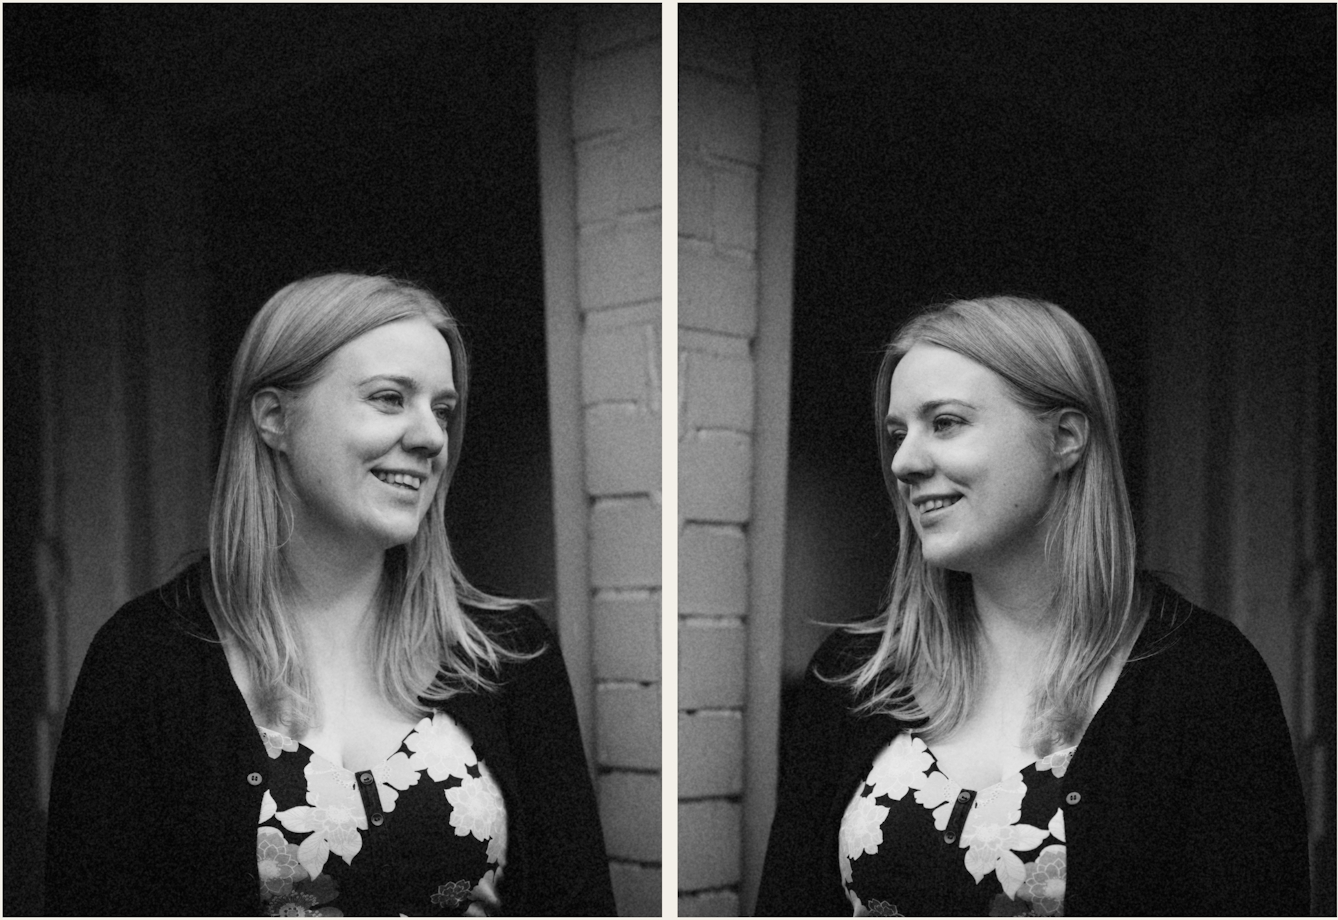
282 640
1006 467
670 459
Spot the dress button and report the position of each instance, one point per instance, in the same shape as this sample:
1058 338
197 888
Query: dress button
378 820
1073 798
253 779
964 797
365 778
949 838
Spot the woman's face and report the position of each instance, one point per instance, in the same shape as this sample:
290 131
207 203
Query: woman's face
974 468
366 445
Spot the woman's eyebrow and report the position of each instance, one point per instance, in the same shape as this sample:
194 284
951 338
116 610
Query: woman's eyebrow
410 383
929 406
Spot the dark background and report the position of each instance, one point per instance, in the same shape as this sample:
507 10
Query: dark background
428 173
418 160
962 150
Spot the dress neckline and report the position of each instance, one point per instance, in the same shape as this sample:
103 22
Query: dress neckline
286 739
1054 756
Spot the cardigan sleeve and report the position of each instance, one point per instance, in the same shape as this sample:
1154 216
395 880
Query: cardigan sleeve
799 873
101 810
1189 799
567 866
1245 840
155 771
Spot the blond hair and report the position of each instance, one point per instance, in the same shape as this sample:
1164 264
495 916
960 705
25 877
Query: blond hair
926 665
426 648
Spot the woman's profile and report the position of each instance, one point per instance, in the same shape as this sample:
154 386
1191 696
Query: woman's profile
323 717
1031 726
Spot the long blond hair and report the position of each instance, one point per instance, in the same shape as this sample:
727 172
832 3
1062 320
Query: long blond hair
926 665
426 648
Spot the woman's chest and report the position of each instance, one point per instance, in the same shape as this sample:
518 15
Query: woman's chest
914 840
983 750
358 736
422 831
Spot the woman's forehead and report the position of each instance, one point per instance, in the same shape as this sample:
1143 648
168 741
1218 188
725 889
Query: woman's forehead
931 373
405 348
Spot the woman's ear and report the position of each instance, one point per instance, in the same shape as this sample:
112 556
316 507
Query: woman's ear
269 410
1070 431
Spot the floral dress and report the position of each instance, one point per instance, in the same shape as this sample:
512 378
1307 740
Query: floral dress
914 843
421 833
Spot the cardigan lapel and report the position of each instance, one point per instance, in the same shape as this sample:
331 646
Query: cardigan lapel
483 718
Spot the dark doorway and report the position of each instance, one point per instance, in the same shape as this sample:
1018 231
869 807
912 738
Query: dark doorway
961 150
956 151
399 140
424 166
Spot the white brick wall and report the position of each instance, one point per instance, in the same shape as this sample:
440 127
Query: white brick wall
718 157
733 318
710 754
709 833
615 122
625 544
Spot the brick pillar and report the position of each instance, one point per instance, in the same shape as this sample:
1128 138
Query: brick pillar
736 214
599 99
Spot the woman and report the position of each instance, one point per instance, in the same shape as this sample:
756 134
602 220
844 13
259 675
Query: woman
324 717
1030 726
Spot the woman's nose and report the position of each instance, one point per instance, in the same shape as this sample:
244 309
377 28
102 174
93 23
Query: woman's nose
425 433
909 462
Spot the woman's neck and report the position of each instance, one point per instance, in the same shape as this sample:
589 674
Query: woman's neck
333 594
1017 619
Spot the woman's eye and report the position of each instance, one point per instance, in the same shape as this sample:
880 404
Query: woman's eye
390 398
944 423
894 438
444 413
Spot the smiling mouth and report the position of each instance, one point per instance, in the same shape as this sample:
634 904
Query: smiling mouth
937 504
401 480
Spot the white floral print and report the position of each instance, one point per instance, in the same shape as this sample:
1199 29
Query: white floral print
441 748
1045 880
900 767
1058 761
486 903
334 819
990 849
333 816
276 744
267 807
992 835
939 794
998 804
861 830
277 861
393 776
1057 825
477 808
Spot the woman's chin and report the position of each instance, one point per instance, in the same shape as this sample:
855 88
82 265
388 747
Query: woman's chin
388 538
944 558
400 539
935 553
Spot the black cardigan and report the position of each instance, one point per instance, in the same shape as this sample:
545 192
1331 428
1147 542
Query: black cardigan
152 811
1188 800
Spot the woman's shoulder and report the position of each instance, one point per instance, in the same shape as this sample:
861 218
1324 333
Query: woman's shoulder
531 667
845 649
150 641
842 652
173 614
519 629
1186 632
1193 654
